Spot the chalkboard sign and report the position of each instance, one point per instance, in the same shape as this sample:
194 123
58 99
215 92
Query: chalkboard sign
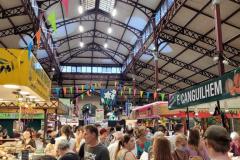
25 155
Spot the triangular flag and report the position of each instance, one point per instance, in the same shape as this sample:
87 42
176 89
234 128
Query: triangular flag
141 94
82 88
64 90
57 91
155 95
52 20
148 95
76 88
86 86
82 95
124 88
134 92
115 84
121 92
100 85
65 4
88 93
96 85
93 88
71 90
38 37
162 96
30 46
130 90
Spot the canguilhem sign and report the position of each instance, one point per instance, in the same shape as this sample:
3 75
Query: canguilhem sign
226 86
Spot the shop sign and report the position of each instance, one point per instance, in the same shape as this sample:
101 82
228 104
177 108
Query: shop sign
226 86
23 116
99 115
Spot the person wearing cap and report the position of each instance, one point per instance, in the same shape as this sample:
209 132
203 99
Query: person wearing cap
217 141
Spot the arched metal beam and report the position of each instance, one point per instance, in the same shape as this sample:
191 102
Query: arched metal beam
92 47
102 17
98 34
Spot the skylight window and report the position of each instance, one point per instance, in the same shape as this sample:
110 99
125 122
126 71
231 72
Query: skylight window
88 4
107 5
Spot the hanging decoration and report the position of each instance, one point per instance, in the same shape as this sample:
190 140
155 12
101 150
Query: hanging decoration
162 96
30 46
52 20
76 88
124 88
86 86
38 37
115 84
130 90
148 95
88 93
96 85
108 97
121 92
134 92
82 87
65 4
58 91
141 94
71 90
64 90
82 96
92 88
155 95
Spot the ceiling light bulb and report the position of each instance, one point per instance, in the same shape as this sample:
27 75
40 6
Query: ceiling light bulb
215 58
81 44
24 93
80 9
32 97
105 45
10 86
225 62
109 30
81 29
20 99
53 69
114 12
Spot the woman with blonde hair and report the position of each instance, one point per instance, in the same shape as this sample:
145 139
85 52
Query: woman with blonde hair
161 149
181 151
125 146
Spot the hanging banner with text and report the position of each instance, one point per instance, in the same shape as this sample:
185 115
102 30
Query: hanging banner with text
226 86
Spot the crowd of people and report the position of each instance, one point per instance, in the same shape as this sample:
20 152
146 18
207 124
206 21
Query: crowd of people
93 142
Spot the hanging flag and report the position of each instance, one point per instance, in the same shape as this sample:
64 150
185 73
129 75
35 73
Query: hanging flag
134 92
148 95
82 88
130 90
86 86
38 37
124 88
100 85
65 4
93 88
162 96
71 90
121 92
155 95
115 84
141 94
76 88
82 95
57 91
64 90
30 46
52 20
88 93
96 85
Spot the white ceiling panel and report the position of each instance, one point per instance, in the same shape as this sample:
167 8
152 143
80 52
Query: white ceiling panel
153 4
188 56
103 61
171 67
183 16
199 24
123 16
129 37
203 63
184 73
138 20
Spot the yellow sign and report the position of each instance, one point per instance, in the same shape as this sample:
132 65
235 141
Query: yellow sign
19 69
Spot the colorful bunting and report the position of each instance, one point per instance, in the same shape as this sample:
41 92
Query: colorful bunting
57 91
155 95
93 88
64 90
162 96
52 20
82 88
115 84
121 92
38 37
82 96
86 86
30 46
130 90
76 88
134 92
141 94
71 90
65 4
124 88
88 93
95 85
148 95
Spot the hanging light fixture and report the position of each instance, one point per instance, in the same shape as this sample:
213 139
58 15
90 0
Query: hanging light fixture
109 30
215 58
81 44
225 62
80 9
105 45
81 28
114 12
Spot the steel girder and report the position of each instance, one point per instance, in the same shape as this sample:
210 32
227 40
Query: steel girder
160 27
88 65
36 24
86 76
164 72
102 17
99 48
90 33
10 12
92 47
189 45
22 29
140 74
202 38
144 9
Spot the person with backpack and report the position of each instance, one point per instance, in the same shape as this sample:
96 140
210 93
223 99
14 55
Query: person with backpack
125 146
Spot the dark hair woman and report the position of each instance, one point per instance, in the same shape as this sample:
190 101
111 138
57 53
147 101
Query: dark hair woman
161 149
125 146
28 141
